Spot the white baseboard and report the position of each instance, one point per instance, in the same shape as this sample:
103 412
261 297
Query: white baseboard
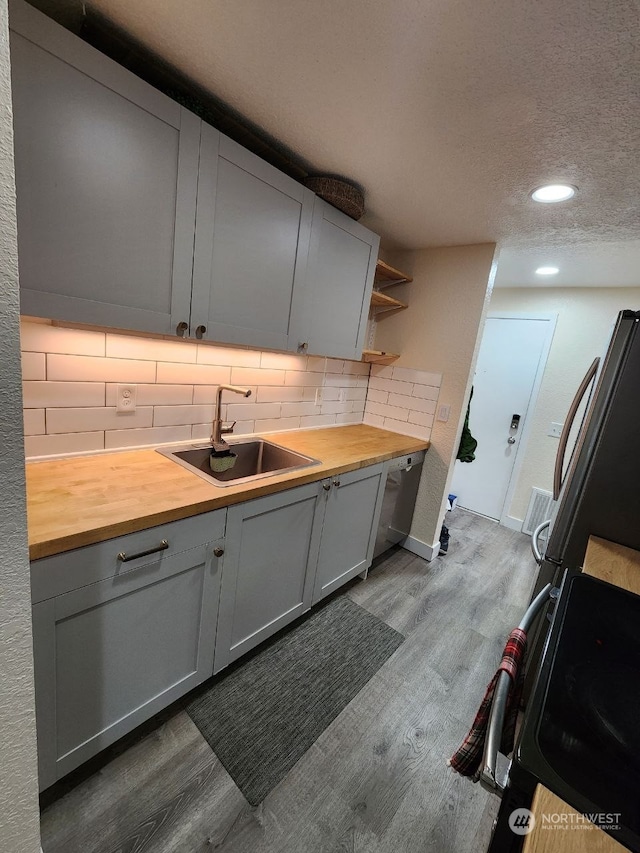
417 546
512 523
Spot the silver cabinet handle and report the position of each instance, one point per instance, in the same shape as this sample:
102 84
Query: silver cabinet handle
326 486
201 331
336 483
181 328
511 440
124 558
218 552
302 346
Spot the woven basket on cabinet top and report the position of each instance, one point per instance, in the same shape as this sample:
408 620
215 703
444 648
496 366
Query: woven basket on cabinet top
340 194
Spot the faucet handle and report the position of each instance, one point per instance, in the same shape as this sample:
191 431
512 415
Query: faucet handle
225 430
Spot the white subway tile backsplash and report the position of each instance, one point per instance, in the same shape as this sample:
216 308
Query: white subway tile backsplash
283 361
317 420
373 420
252 411
63 394
71 379
154 395
403 399
280 393
391 385
256 376
303 378
54 445
176 415
427 392
375 396
114 439
33 365
417 403
206 394
34 422
292 410
150 349
40 337
78 368
192 374
421 418
229 356
405 428
277 424
316 364
387 411
93 419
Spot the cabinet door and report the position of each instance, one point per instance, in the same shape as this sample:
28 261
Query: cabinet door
352 510
271 554
106 179
252 241
342 262
111 654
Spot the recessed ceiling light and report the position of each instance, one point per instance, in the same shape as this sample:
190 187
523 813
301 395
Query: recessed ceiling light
547 271
553 192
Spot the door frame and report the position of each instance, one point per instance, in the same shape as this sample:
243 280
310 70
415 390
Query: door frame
551 318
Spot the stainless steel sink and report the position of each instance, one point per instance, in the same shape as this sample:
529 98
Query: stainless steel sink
255 459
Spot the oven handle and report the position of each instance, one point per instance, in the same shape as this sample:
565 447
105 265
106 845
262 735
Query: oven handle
488 777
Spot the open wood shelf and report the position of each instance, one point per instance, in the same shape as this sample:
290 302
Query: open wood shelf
387 276
381 300
376 356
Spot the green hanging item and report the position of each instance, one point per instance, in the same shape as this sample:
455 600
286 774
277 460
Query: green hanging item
468 444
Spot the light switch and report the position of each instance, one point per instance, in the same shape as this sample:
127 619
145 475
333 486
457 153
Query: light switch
555 430
443 413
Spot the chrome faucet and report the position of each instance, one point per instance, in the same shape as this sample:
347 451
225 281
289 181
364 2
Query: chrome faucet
217 441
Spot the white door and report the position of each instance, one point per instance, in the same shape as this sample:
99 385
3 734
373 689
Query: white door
512 353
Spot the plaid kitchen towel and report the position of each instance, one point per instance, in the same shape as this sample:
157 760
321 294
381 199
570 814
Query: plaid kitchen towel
467 759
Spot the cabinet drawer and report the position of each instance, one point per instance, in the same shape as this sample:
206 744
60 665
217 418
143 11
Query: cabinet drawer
62 573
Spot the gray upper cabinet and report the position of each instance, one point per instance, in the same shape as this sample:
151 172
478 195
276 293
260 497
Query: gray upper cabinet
341 267
106 176
352 504
271 554
252 241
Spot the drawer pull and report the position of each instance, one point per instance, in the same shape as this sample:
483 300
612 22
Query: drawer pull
124 558
218 552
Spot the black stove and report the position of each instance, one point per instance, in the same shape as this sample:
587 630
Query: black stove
581 733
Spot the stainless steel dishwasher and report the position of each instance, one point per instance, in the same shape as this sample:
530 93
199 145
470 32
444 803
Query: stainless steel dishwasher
401 488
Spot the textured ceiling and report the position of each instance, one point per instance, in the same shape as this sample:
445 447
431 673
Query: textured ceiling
447 112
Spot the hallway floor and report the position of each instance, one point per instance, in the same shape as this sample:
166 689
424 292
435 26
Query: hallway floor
376 780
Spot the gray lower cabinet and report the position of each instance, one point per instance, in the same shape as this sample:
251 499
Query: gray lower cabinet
252 240
106 177
270 560
352 504
340 271
111 654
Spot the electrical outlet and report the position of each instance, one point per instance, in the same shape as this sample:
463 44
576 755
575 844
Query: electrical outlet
443 413
555 430
126 398
342 395
319 396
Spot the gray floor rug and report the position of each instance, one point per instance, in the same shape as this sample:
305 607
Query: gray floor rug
263 715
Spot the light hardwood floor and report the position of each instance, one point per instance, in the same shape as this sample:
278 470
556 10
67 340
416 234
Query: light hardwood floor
376 780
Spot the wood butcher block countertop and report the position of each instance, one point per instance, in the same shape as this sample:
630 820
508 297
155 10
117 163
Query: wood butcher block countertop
78 501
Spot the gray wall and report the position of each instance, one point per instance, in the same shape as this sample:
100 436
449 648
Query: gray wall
19 821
